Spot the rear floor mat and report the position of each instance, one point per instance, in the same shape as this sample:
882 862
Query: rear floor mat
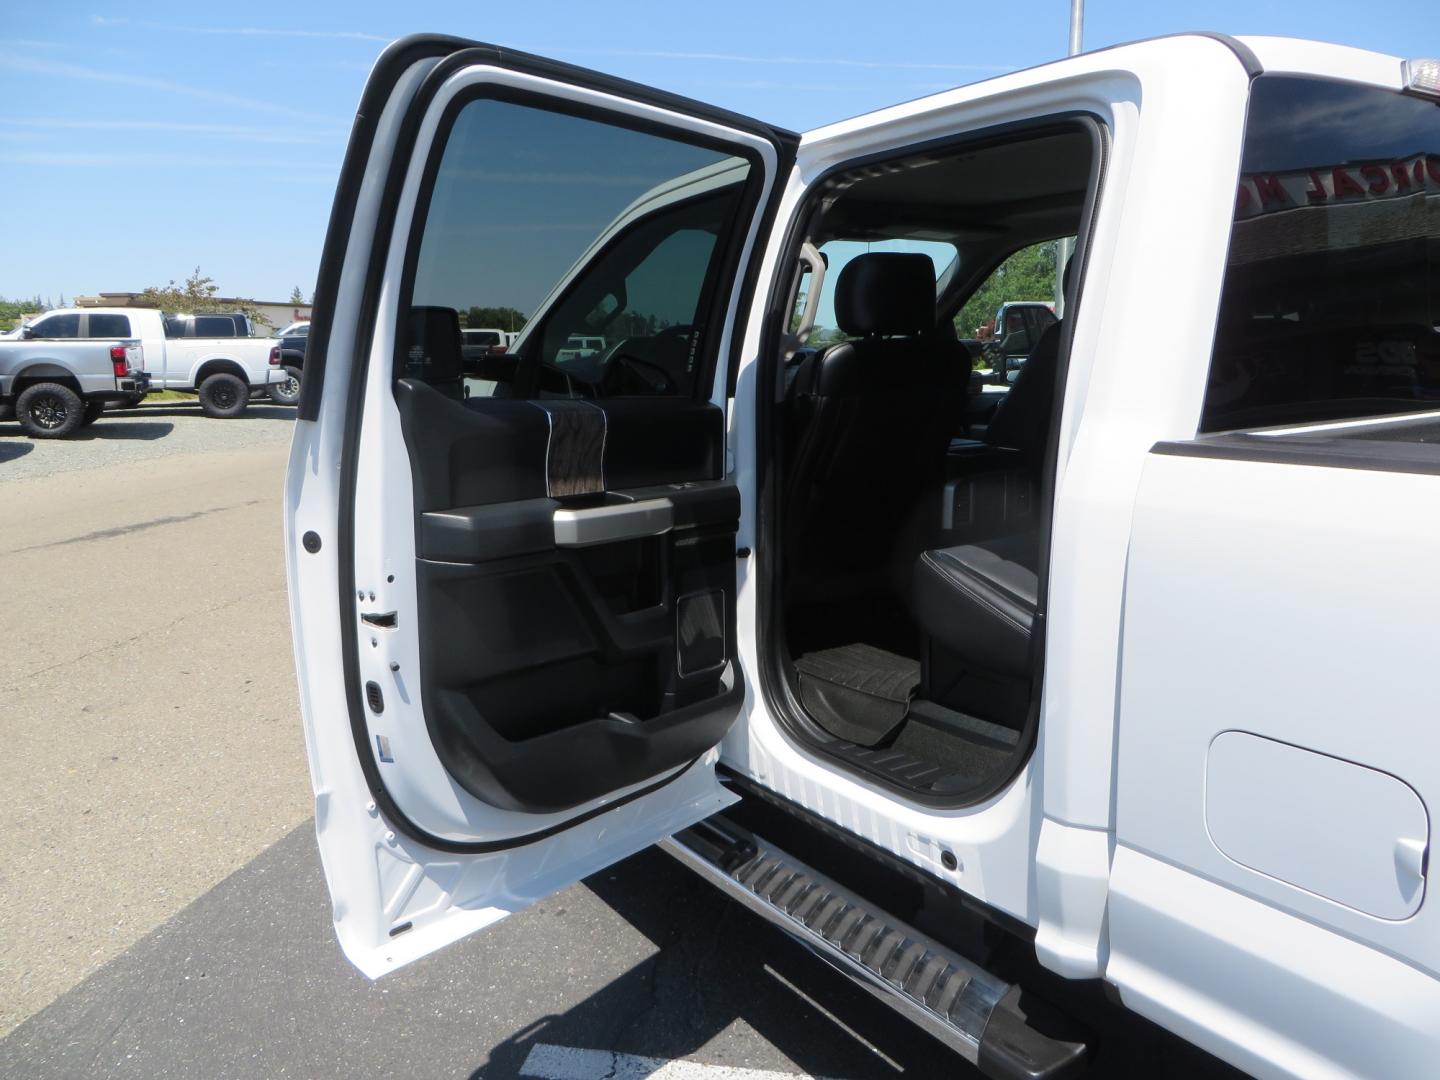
857 692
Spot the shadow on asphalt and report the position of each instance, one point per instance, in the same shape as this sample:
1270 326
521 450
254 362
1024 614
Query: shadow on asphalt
716 966
9 451
105 430
263 410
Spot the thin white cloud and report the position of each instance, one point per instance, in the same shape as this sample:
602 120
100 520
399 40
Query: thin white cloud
147 82
652 54
51 159
108 20
803 87
228 132
811 61
264 31
31 43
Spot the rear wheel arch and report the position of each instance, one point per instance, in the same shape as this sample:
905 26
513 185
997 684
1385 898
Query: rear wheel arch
220 365
45 373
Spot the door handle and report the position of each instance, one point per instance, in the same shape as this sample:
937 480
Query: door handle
618 521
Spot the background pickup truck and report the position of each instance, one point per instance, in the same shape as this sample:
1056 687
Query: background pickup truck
221 366
53 387
288 355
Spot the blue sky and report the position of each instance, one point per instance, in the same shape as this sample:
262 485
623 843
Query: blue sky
139 142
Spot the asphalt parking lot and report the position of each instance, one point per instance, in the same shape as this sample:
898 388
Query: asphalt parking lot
162 912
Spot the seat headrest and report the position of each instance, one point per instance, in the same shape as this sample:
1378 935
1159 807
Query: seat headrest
433 345
886 292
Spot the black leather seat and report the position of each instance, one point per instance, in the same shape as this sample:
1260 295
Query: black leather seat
867 425
1022 419
433 354
976 605
979 600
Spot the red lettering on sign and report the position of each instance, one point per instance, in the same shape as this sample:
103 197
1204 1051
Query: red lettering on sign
1432 166
1402 176
1271 191
1344 183
1316 191
1242 199
1379 182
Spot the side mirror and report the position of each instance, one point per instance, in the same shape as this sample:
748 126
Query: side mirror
27 332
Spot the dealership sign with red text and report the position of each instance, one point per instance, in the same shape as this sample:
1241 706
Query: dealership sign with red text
1265 193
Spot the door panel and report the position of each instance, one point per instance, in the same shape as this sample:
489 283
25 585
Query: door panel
535 554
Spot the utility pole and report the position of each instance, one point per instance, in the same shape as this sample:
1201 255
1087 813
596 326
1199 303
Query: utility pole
1066 247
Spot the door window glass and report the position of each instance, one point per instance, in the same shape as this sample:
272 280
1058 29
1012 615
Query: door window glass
1006 315
57 326
108 326
603 242
1331 302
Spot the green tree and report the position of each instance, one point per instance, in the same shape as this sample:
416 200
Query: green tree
197 293
13 312
1028 274
495 318
296 296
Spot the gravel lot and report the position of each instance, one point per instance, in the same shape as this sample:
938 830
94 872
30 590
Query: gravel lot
140 434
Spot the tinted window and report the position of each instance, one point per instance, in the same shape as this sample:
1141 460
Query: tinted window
57 326
481 337
108 326
1003 319
215 326
1331 302
607 240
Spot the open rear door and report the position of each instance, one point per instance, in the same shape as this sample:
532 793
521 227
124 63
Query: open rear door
512 572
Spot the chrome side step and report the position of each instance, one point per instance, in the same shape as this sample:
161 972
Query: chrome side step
958 1002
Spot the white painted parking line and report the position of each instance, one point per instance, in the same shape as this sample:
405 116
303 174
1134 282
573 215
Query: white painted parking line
547 1062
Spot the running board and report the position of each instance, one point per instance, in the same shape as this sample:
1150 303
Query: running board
973 1012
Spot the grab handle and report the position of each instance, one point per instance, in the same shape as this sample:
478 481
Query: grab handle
607 524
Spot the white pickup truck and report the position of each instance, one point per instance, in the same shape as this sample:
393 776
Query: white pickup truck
1121 695
180 354
57 375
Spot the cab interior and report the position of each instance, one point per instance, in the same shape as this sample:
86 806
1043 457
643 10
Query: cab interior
912 493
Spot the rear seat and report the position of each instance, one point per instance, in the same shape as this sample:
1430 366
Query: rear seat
979 600
976 604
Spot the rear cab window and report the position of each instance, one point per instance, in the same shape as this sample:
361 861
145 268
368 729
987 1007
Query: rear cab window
1329 321
107 326
216 326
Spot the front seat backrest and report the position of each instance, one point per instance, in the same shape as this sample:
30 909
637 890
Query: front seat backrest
1022 419
868 421
433 353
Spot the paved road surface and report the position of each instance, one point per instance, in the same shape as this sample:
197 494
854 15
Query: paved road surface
162 911
147 692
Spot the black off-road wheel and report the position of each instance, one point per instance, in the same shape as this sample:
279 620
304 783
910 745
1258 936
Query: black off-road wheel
224 396
49 411
287 392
